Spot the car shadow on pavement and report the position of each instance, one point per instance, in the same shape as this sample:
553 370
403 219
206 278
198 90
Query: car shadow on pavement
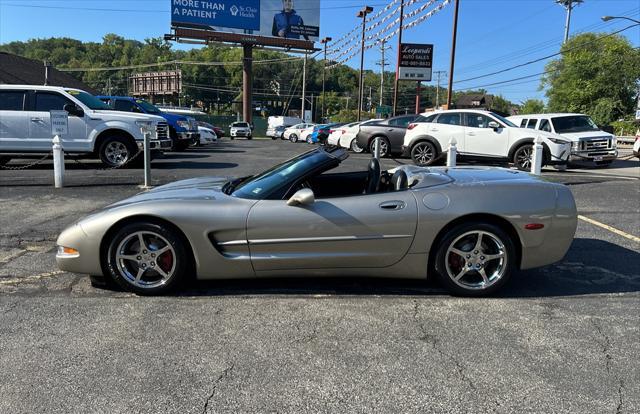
590 267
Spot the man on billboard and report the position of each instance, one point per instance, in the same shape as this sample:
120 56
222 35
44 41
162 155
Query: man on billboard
283 21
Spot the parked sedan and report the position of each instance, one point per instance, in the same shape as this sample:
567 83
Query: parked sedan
293 133
276 132
473 228
390 131
207 136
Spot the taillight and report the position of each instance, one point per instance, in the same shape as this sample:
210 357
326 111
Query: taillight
411 126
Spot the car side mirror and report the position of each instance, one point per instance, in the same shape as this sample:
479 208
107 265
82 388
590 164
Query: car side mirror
302 197
73 110
494 125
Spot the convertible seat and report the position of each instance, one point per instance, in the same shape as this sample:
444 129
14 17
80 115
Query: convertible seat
373 177
399 181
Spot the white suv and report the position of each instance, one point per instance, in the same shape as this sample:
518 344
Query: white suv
481 135
94 129
588 143
240 129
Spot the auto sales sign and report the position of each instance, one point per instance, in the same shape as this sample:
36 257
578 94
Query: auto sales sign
415 62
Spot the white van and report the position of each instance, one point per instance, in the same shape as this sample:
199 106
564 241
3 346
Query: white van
94 128
588 142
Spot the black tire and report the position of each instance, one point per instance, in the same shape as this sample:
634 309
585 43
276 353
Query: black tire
599 164
4 160
523 157
309 140
385 147
249 137
471 283
424 153
355 147
180 146
274 138
293 138
116 151
121 270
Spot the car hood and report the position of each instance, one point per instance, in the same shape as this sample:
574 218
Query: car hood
127 115
575 136
204 188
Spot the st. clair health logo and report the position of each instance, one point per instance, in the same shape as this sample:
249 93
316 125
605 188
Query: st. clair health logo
243 11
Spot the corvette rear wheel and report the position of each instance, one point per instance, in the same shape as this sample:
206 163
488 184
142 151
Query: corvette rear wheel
147 259
475 259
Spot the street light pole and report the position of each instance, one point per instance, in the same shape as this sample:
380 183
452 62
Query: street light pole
453 54
324 73
362 14
607 18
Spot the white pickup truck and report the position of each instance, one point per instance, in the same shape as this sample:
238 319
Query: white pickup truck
114 137
589 144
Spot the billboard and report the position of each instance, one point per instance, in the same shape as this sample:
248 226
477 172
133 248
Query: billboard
415 62
286 19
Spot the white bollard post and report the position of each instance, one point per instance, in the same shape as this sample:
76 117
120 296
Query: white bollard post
376 148
147 159
536 162
58 162
452 153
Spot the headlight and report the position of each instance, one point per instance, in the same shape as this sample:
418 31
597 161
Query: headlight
145 126
558 141
183 124
575 145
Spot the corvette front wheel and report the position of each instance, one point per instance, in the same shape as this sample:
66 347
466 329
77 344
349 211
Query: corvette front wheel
475 259
147 259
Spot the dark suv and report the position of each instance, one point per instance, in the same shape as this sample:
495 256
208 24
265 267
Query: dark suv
182 130
390 131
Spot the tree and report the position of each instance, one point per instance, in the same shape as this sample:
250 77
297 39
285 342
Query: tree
596 75
532 106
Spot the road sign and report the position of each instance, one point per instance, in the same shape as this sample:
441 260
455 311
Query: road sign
415 62
59 122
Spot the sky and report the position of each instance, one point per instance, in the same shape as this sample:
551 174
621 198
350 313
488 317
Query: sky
493 35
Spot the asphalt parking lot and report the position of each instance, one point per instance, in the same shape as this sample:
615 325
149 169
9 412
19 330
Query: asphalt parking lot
561 339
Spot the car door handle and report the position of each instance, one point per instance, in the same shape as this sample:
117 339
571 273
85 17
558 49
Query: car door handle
393 205
390 129
36 119
434 129
473 134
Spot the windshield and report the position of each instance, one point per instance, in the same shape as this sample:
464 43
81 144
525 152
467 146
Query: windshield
568 124
504 120
89 100
148 108
240 125
260 186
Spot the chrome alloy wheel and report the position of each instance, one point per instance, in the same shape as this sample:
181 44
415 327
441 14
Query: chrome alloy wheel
423 154
146 260
116 153
476 260
524 157
355 147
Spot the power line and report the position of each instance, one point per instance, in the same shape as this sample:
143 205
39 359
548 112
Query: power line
545 57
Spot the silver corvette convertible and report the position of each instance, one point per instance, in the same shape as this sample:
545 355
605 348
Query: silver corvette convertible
472 227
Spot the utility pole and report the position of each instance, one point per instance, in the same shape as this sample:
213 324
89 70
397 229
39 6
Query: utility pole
382 64
370 98
304 86
395 86
568 5
418 91
438 74
247 83
363 15
324 72
453 54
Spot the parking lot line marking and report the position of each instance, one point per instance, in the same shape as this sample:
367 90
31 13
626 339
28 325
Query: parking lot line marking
27 279
611 229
